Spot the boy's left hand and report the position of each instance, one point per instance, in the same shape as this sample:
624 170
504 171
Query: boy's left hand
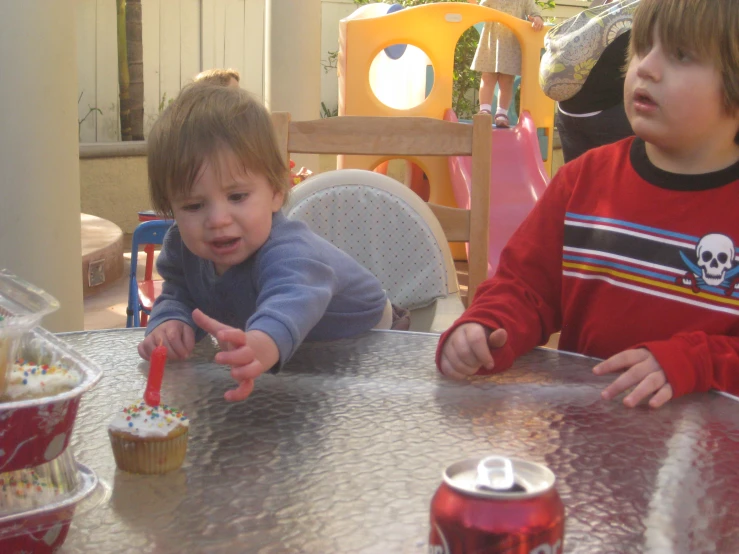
536 22
245 367
643 372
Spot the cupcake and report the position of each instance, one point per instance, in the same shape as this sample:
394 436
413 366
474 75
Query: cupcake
30 380
25 489
22 490
150 437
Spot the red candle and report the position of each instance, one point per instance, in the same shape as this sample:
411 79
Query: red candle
156 373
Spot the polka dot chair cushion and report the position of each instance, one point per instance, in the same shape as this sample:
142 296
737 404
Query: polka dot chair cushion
384 234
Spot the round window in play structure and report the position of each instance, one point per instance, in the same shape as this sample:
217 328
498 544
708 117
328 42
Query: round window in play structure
403 78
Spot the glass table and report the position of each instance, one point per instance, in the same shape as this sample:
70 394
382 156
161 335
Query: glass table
343 449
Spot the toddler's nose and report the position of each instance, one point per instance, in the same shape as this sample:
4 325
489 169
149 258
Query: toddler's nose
219 216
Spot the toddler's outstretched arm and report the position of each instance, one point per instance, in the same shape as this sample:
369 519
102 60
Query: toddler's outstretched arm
249 353
468 348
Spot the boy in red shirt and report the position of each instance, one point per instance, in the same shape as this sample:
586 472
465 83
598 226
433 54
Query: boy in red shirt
631 251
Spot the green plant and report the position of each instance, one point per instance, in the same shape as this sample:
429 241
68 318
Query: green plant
163 102
326 112
330 62
90 109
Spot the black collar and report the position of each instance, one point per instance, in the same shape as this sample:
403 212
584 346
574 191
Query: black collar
678 181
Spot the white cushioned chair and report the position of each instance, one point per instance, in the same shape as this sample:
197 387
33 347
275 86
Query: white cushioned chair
388 229
411 138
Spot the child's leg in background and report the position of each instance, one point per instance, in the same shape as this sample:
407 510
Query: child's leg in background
505 95
487 89
505 82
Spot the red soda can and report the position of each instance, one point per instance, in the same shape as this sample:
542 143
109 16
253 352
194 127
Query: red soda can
497 505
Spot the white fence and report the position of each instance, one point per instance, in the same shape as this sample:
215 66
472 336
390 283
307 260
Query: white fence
180 37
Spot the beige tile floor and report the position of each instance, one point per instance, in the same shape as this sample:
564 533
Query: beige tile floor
107 308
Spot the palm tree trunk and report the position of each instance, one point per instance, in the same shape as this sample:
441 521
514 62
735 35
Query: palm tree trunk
134 51
123 80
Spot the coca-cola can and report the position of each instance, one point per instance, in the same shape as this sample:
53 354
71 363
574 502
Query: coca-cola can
497 505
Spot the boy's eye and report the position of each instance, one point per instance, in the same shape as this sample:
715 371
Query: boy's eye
238 196
191 207
682 55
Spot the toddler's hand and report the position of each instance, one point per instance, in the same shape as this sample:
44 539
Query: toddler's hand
235 351
643 372
178 337
536 22
468 349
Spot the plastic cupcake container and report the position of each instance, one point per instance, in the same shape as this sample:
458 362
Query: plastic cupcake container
22 306
37 504
38 430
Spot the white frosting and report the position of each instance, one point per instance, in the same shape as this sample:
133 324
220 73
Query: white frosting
24 489
143 420
28 380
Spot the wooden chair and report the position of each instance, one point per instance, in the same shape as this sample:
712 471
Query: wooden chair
411 136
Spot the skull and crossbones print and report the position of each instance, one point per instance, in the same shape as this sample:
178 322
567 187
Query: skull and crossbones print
715 266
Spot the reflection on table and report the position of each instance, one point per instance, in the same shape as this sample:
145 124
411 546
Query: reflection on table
342 450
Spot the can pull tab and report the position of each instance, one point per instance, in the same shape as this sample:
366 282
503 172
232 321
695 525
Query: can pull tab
495 473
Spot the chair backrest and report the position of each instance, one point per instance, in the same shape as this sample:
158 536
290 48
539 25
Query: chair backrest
383 225
147 232
150 232
411 136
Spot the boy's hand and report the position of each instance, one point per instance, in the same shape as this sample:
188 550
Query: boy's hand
643 372
536 22
235 351
468 349
178 337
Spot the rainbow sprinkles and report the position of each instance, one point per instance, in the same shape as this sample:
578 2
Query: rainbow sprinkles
29 380
143 420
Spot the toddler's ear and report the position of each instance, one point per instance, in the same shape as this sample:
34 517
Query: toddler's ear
278 199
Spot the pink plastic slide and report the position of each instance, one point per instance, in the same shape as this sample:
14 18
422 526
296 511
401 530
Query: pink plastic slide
517 181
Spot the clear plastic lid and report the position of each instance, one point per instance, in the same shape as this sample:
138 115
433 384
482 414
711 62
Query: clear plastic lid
22 305
39 346
34 488
36 499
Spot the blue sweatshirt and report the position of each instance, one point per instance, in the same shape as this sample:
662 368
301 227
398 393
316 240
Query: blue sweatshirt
296 287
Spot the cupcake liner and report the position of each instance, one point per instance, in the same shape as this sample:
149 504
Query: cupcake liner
151 455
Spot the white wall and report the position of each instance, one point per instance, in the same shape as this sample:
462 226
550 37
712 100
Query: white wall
566 8
332 11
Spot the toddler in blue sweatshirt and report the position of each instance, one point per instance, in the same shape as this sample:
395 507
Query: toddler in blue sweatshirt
233 265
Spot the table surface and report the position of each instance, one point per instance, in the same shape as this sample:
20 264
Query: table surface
343 449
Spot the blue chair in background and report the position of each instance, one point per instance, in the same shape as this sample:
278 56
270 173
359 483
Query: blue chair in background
141 294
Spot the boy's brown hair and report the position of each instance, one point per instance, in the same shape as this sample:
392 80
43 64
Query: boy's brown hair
707 29
218 76
202 122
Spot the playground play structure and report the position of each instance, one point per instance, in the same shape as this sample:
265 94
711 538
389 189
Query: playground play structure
366 69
